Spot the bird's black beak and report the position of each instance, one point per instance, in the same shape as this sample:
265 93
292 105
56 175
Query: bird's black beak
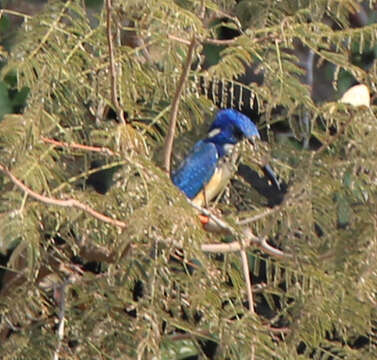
269 173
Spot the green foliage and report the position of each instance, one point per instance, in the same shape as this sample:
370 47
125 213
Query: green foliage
156 294
11 99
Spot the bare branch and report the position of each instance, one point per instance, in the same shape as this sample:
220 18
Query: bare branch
79 146
249 241
246 274
202 11
168 147
220 13
250 238
50 31
239 246
64 203
224 42
114 90
258 216
60 330
220 41
176 38
208 40
218 222
14 13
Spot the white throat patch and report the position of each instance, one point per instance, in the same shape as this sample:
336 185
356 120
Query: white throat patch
228 148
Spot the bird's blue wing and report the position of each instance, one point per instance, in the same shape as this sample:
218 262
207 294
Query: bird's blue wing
197 169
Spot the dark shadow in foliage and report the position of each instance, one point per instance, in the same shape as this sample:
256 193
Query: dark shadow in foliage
12 100
324 351
4 258
102 180
137 293
208 347
262 185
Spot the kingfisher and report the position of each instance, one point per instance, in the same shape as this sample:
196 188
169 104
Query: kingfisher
206 170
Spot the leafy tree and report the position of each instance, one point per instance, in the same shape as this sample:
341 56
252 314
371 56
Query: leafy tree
104 258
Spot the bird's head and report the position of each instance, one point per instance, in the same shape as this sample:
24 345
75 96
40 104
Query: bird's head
229 127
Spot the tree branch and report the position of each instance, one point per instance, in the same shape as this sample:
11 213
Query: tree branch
114 90
250 241
207 41
218 222
234 246
224 42
259 216
61 301
14 13
168 147
64 203
79 146
220 41
176 38
246 274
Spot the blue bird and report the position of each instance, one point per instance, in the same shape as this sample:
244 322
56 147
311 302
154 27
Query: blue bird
210 164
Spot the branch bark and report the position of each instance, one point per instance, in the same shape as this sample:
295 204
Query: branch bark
168 147
104 150
64 203
114 90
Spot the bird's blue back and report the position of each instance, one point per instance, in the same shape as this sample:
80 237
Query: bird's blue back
197 169
229 127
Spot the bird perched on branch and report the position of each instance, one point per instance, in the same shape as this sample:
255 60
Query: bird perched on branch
211 162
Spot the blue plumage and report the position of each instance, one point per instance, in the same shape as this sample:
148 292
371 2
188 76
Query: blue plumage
197 169
201 165
234 127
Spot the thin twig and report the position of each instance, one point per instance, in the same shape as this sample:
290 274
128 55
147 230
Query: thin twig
64 203
240 243
220 223
221 41
268 249
282 330
114 90
208 40
60 330
246 274
235 246
231 17
52 28
14 13
249 238
202 11
258 216
176 38
168 147
252 355
225 42
332 139
245 241
79 146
